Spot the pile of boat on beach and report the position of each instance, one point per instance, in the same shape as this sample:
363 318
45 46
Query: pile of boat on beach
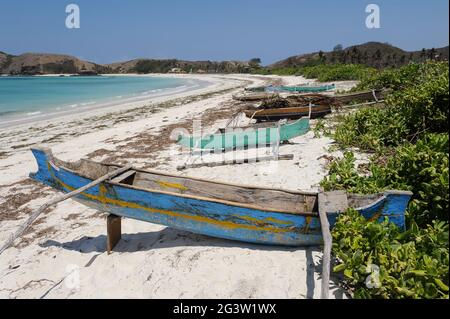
279 116
245 213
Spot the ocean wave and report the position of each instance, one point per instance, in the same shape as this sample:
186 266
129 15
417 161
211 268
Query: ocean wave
88 103
33 113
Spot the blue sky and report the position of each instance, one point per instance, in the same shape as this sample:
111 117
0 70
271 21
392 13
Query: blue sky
117 30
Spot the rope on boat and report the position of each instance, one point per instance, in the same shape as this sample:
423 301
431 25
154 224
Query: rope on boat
57 200
233 120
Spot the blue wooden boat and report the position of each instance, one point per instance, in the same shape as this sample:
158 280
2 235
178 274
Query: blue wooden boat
243 213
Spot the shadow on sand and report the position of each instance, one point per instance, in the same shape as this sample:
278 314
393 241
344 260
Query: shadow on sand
169 238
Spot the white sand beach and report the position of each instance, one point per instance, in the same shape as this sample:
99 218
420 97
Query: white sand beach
63 255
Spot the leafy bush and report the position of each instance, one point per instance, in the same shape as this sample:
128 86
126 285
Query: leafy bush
420 105
421 168
398 79
410 138
324 72
336 72
424 106
408 265
372 129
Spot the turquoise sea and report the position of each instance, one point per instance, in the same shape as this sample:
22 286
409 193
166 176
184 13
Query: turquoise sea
22 97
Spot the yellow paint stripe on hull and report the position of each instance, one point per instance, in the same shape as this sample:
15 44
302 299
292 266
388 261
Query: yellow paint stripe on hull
172 185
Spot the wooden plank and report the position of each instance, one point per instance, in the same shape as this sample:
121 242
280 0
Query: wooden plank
114 232
328 242
264 197
59 199
333 202
286 157
123 177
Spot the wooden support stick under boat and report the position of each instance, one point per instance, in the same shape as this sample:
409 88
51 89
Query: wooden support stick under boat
327 241
329 202
287 157
114 231
57 200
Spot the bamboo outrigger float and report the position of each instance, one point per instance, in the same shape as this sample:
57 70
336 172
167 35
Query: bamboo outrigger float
243 213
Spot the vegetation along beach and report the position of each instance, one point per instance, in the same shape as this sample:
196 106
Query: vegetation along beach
321 175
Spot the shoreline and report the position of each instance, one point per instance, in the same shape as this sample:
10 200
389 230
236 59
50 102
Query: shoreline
84 108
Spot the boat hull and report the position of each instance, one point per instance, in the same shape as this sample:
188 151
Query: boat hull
206 217
247 137
301 89
291 113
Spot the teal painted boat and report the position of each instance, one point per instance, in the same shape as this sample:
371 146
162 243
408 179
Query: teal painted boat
244 213
301 89
247 137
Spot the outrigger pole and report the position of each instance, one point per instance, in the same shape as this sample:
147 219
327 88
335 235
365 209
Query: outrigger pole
57 200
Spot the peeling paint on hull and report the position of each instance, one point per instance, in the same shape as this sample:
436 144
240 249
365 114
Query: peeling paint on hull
203 216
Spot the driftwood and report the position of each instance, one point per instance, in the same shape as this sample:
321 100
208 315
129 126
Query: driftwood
287 157
57 200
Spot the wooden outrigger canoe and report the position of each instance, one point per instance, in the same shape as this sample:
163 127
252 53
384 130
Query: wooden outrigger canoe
301 89
243 213
247 137
290 113
366 96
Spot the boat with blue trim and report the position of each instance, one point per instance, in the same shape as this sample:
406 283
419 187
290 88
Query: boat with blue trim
237 212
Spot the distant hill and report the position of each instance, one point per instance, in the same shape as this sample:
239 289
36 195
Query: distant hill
374 54
40 63
168 65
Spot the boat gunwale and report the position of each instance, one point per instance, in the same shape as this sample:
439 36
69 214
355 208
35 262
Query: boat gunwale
285 110
52 160
201 198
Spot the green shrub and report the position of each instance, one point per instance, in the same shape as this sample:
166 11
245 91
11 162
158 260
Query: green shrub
420 105
372 129
325 72
409 136
421 168
398 79
413 264
424 106
336 72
